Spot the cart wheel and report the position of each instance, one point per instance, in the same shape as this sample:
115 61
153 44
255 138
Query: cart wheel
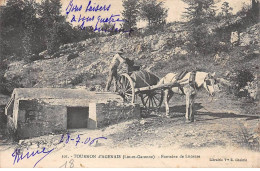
152 99
125 88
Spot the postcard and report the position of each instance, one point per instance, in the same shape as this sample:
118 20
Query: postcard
129 84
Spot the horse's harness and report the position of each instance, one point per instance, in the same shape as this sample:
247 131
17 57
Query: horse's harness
208 83
192 82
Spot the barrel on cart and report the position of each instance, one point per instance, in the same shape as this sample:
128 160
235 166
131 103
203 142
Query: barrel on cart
144 85
128 86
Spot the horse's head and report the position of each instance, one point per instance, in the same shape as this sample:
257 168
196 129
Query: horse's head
210 84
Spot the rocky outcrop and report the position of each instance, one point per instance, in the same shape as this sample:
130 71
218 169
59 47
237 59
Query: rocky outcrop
86 62
88 59
250 36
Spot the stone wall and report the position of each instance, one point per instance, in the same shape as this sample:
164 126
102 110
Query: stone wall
112 113
35 118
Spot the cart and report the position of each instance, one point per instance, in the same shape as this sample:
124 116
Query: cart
142 85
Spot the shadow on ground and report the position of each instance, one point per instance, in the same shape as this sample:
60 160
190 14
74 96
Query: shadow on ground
179 111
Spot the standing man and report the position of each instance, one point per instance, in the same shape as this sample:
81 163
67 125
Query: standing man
117 60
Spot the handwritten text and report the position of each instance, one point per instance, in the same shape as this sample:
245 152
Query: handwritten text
78 140
86 17
90 7
19 156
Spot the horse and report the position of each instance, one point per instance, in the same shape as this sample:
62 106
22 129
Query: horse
191 82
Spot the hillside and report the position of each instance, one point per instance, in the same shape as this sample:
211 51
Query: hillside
85 63
88 60
230 120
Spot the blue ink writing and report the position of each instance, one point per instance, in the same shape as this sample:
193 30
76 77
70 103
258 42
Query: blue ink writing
73 19
85 19
17 156
95 139
87 140
110 29
78 140
62 138
82 19
97 8
72 8
111 19
68 138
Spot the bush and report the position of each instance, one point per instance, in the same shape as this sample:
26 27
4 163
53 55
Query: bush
154 13
7 87
241 79
79 79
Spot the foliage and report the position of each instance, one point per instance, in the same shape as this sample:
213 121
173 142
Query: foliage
11 28
251 12
29 27
199 11
226 10
153 12
199 14
49 11
243 76
108 28
29 20
7 87
130 14
240 80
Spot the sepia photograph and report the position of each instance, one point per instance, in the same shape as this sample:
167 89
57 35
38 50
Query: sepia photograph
129 84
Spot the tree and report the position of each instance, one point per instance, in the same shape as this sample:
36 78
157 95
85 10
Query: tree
153 12
50 14
251 12
255 6
130 14
255 10
199 11
20 29
199 14
29 21
28 28
11 28
226 10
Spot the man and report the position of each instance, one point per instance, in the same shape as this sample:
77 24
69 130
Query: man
117 61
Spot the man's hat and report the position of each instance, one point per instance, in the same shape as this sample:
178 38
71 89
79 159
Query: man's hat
120 51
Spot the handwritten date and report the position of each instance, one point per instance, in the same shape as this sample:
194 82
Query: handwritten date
67 138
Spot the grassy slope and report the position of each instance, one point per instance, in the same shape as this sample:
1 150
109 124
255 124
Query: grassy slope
90 67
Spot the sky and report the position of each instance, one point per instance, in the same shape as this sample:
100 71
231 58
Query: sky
175 9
